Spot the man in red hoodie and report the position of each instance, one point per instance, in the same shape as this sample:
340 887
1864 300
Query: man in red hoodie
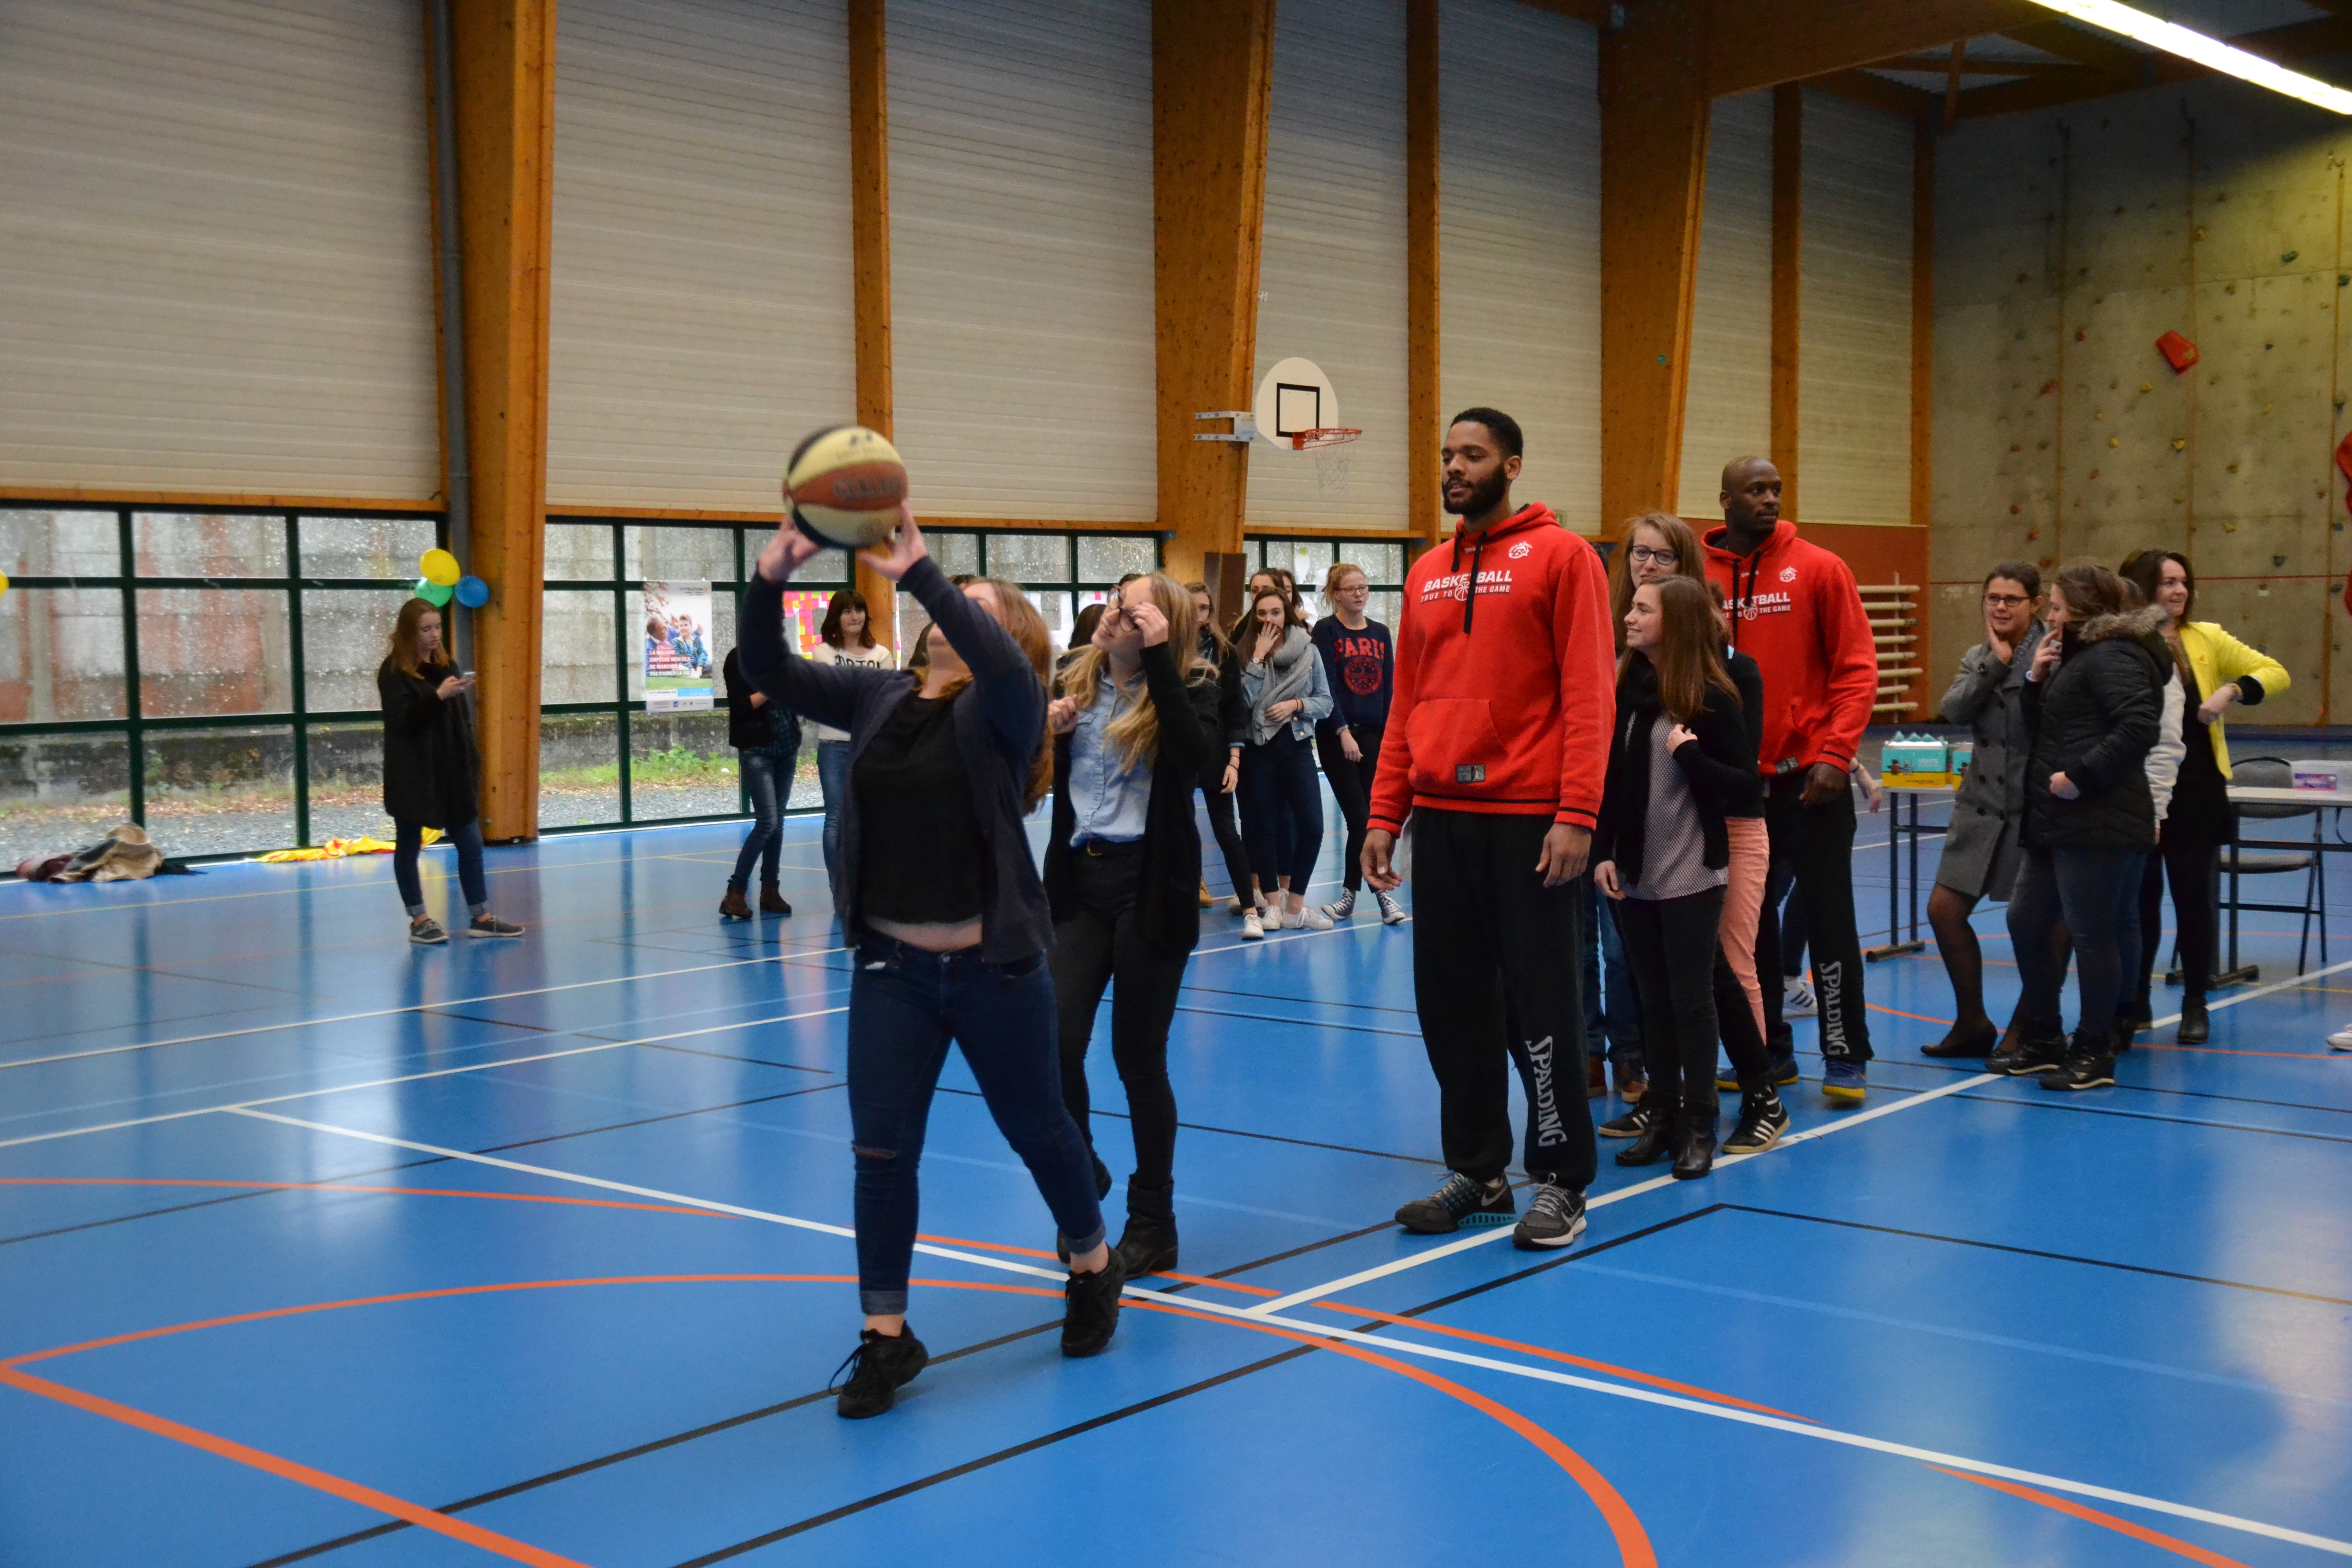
1795 610
1497 746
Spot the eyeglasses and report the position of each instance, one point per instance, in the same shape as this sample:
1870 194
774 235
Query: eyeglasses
1642 554
2006 600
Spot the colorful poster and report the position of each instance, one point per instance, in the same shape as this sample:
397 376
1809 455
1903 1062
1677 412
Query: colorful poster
805 617
677 646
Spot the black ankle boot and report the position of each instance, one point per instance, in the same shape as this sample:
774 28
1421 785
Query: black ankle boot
1655 1142
2195 1027
1695 1147
1148 1244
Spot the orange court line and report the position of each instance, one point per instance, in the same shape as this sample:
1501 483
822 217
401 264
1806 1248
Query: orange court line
2231 1051
2107 1520
287 1470
353 1187
1899 1012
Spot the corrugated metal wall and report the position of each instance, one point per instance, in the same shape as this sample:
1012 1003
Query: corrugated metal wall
216 256
1853 383
1727 412
1020 253
700 292
1520 249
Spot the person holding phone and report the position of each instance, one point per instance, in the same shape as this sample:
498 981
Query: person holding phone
432 772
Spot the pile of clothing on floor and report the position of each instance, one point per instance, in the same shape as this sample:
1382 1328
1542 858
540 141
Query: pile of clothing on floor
126 854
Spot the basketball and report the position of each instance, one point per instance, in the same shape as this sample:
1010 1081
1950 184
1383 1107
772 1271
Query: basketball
845 486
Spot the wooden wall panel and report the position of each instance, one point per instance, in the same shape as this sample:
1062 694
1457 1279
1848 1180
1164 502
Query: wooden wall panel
1856 372
1728 405
1424 204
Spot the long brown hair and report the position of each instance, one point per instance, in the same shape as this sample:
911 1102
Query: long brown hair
2091 592
1136 732
844 601
1216 632
1245 629
1027 628
403 653
1689 560
1689 656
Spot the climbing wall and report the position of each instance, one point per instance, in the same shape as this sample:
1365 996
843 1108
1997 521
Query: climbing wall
2068 245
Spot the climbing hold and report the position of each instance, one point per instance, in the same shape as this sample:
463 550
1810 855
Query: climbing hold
2177 351
2147 387
2288 255
2114 441
2081 334
2180 443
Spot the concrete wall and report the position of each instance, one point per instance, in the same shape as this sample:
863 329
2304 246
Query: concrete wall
2067 243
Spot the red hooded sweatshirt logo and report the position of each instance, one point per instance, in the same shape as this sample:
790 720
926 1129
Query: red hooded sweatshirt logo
1796 611
1506 678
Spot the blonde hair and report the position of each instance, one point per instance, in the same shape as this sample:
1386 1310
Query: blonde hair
1340 571
1136 732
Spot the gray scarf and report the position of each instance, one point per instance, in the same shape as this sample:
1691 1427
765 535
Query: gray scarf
1283 678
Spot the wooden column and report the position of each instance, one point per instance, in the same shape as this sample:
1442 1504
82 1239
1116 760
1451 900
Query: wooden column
1212 80
869 223
503 56
1653 126
1788 283
1424 345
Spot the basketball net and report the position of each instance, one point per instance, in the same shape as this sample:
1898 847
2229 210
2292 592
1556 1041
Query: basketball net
1329 444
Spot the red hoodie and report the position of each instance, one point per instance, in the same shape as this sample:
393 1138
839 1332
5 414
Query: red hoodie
1797 614
1504 700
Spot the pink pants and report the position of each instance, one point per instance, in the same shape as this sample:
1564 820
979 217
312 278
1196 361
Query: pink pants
1743 904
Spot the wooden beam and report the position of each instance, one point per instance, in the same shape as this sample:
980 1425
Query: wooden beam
503 54
2110 68
1877 92
2098 50
870 238
1654 130
1978 65
1423 381
1593 13
1757 44
1212 82
1923 366
1952 83
1788 284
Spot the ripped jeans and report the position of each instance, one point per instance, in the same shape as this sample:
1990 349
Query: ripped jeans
905 1005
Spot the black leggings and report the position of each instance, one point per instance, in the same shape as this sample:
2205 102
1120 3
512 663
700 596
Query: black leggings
1221 824
2188 852
1282 810
1671 945
1101 942
1351 786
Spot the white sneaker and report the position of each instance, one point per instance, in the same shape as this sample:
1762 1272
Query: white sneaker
1342 908
1392 912
2341 1040
1797 999
1253 928
1283 919
1312 919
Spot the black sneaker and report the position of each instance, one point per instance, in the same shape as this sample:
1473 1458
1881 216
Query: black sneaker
1458 1202
1762 1120
879 1366
1633 1124
1554 1217
1781 1070
2031 1054
490 925
1091 1308
2082 1070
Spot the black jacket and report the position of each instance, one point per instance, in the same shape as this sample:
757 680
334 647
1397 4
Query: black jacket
751 728
1000 723
1749 677
1169 898
2093 718
1719 766
432 773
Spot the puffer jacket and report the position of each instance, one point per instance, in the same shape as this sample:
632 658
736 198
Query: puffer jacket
1989 697
2094 720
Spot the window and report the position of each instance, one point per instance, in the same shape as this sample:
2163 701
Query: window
1382 561
1061 573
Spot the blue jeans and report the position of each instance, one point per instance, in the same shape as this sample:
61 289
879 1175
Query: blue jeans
765 842
408 838
905 1006
1619 1018
2095 892
833 777
1282 811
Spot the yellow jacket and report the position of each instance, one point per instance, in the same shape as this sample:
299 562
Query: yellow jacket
2218 658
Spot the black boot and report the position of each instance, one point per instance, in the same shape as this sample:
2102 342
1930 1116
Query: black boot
1975 1039
1694 1147
2195 1027
2089 1063
1655 1142
1148 1244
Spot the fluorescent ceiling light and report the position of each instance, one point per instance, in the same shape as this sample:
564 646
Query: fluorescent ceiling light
2174 39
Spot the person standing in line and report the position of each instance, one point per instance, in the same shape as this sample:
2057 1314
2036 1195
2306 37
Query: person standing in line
1136 724
1795 608
1983 846
2217 672
767 742
942 897
1210 640
1496 748
1249 899
846 637
1285 695
432 772
1359 661
1678 760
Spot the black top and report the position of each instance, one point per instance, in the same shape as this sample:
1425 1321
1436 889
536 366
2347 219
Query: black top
921 863
1719 765
1745 675
432 773
2093 718
1363 670
753 728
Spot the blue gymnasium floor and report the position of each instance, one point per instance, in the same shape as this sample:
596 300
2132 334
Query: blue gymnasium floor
317 1247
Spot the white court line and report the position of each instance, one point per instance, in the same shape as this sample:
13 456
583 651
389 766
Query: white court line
418 1008
1409 1347
417 1077
2275 985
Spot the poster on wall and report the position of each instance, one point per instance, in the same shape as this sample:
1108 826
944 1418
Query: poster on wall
677 648
804 619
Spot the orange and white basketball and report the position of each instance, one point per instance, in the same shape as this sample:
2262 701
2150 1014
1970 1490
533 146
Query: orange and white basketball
844 487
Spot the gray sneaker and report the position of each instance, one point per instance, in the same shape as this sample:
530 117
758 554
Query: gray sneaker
490 925
1554 1218
1392 912
426 931
1458 1202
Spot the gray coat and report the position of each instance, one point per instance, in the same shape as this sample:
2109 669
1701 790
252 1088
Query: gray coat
1981 849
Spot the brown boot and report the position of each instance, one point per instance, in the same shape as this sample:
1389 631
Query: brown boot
732 907
771 903
1596 1076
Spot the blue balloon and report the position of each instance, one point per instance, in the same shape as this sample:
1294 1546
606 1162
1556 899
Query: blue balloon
473 593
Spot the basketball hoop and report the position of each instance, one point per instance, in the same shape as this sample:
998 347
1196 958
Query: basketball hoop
1324 435
1330 445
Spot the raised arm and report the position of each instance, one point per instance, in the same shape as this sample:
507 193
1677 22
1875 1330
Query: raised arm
1010 693
829 693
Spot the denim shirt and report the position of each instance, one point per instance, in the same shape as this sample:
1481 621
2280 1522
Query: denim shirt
1108 800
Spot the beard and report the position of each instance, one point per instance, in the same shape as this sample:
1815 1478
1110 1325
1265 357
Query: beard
1482 498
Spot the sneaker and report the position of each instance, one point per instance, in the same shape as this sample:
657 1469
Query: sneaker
2031 1054
1233 906
1312 919
1392 912
2082 1070
1762 1120
1091 1308
2137 1013
2341 1040
732 907
1252 927
490 925
1342 908
1633 1124
426 931
1779 1072
1797 999
1554 1217
880 1366
1845 1082
1458 1201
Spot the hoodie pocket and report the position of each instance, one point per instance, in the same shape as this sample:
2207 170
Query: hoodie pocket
1455 744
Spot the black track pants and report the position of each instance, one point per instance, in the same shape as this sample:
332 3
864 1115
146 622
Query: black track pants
1818 842
1671 945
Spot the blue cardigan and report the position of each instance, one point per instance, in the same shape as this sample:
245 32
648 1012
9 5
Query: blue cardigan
1000 725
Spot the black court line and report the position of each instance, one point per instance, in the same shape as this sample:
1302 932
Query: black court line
725 1056
1302 1023
499 1023
1237 1133
2029 1252
666 1116
2071 1102
1304 1001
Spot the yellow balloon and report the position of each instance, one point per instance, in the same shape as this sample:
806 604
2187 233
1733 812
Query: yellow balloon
440 566
3 582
